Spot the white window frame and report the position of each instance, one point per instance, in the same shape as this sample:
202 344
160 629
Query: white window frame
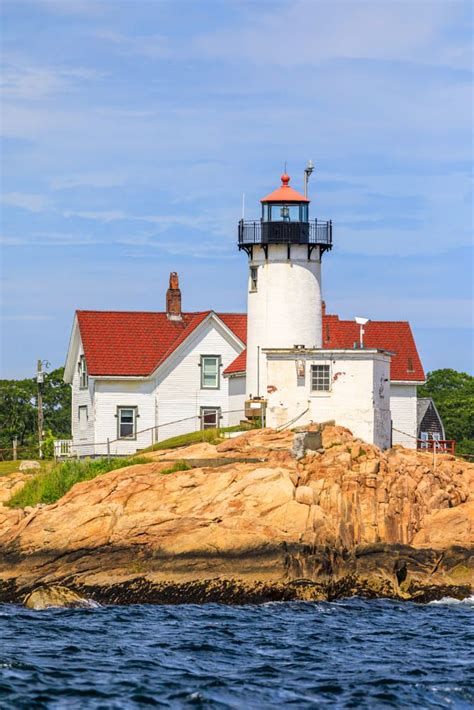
217 411
134 410
217 384
83 374
326 380
424 437
253 279
82 430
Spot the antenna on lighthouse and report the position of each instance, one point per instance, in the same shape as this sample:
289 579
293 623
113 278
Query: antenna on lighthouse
307 172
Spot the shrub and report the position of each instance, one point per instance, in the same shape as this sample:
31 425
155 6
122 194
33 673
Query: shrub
51 486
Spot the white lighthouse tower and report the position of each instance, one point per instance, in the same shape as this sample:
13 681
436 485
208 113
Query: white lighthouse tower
284 282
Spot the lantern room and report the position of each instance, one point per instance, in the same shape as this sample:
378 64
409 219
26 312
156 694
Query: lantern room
285 220
285 204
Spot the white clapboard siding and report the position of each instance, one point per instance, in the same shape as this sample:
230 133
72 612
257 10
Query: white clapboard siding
179 393
175 393
110 394
83 440
237 390
403 408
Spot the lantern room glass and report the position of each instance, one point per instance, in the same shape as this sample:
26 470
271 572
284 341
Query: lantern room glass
285 212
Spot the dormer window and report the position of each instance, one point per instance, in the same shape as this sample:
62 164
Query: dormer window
83 376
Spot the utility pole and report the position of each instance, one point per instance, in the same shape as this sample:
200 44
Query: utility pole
40 380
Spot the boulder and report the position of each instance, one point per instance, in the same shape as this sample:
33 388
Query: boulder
304 441
305 495
29 466
370 466
55 596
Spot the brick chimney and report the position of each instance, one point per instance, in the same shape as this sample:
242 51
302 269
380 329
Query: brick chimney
173 298
323 307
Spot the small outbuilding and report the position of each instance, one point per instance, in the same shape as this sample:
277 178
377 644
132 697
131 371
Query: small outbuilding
429 423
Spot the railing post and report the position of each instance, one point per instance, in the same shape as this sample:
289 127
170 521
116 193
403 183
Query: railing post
108 449
15 444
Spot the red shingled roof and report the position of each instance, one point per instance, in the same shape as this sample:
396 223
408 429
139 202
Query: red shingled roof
238 365
395 336
134 343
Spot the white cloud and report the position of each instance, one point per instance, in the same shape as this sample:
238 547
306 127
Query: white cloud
25 317
23 79
99 215
307 32
91 179
27 201
65 7
156 46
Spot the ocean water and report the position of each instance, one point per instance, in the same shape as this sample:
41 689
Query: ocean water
347 654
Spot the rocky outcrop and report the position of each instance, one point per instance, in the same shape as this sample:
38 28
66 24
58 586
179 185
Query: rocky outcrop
10 484
55 596
347 518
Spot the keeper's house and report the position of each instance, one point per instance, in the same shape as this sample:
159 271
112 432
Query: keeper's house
138 378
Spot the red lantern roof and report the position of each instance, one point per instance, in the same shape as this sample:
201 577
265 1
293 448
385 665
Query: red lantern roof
285 193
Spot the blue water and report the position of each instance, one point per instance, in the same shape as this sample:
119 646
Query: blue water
346 654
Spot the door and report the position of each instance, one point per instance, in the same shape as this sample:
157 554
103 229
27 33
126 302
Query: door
210 417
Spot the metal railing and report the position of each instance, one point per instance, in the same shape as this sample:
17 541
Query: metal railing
68 448
441 446
316 232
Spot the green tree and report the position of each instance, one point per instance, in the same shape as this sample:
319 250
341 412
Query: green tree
18 410
57 404
453 394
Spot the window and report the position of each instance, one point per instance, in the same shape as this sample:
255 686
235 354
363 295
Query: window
424 440
253 278
83 376
82 417
127 422
210 417
210 372
320 378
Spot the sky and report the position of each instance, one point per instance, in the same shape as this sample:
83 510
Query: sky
130 130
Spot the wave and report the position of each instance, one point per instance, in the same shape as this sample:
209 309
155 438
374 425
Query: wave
452 600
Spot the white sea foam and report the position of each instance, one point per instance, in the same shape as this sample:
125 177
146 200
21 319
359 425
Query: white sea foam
451 600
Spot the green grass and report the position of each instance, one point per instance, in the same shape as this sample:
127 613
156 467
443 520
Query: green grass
50 486
7 467
211 436
178 466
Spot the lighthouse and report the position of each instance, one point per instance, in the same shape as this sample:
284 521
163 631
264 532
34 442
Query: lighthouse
284 249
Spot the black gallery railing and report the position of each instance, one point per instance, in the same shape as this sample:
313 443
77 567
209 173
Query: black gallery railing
316 232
